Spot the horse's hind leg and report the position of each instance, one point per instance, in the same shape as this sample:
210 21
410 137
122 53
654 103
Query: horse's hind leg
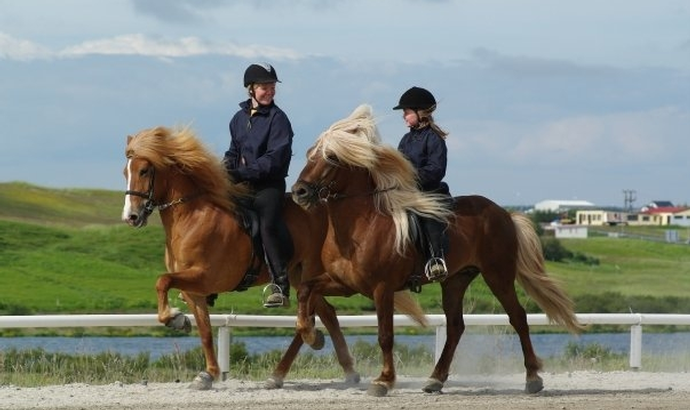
204 380
453 292
504 290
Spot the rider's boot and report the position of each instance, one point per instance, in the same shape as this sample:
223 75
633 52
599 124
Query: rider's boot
435 268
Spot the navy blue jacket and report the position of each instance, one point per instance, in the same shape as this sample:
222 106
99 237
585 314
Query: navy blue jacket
428 153
260 145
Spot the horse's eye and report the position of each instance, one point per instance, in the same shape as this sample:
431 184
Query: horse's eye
143 172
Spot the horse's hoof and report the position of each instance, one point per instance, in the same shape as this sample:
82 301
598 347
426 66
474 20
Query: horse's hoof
180 322
534 386
319 340
352 378
203 381
273 383
433 386
377 390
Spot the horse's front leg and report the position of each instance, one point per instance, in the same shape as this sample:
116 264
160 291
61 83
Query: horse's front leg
329 318
310 299
170 317
383 300
275 381
305 315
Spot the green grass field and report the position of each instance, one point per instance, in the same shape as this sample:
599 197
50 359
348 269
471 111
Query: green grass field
66 251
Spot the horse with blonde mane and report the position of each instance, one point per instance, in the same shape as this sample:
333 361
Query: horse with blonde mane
370 191
207 249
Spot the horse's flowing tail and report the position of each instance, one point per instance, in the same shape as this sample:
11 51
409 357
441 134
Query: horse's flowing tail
531 275
405 303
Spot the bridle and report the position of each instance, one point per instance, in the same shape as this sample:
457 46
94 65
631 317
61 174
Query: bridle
323 192
150 205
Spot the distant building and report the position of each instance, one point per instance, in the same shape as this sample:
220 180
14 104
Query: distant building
558 205
657 205
665 215
681 218
570 232
598 217
659 216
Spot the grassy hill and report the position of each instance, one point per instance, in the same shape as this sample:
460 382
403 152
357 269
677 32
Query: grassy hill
66 251
65 207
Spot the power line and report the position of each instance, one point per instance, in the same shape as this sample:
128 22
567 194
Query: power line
629 197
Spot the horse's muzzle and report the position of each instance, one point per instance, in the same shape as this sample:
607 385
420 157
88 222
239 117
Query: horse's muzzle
304 195
136 220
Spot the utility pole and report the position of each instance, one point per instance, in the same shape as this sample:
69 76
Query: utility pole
629 197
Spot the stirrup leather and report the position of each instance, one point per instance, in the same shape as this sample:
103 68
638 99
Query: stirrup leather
436 269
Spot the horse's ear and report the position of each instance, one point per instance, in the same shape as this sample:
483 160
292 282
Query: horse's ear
129 138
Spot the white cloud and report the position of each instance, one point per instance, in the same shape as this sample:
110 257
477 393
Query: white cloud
139 44
21 50
620 138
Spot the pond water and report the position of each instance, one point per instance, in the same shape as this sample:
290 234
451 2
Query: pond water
507 345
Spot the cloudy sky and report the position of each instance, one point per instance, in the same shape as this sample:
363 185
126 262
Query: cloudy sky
543 99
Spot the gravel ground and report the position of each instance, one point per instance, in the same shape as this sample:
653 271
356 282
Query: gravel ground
571 391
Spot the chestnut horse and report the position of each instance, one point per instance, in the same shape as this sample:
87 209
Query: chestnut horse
369 189
207 251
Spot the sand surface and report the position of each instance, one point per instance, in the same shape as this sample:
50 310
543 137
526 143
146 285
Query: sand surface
571 391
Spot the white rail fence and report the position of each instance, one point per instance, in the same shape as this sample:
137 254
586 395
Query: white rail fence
225 323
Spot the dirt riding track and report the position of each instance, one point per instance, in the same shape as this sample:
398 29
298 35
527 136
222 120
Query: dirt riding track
571 391
574 391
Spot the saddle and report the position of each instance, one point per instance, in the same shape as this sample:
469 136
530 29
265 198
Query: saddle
248 220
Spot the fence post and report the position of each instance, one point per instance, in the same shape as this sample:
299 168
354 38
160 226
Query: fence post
224 351
636 346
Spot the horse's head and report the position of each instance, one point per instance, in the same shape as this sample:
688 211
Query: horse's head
143 192
317 181
343 149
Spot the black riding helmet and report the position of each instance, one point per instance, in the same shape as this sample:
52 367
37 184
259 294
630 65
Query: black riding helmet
260 74
416 98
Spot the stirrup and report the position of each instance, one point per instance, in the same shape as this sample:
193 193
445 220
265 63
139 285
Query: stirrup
275 297
436 269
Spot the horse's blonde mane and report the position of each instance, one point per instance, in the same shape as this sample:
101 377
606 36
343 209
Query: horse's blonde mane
355 141
180 148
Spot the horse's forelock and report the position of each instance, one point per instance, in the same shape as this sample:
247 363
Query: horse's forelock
350 139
